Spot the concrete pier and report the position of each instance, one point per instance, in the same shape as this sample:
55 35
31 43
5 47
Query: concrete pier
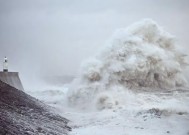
11 78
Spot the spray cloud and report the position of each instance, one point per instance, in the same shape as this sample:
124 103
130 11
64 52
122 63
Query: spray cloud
142 56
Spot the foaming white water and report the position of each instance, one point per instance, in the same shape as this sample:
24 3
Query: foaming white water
142 56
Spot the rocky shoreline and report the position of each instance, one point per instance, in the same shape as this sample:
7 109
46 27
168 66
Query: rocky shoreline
21 114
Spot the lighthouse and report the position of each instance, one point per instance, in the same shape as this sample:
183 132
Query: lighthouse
10 78
5 65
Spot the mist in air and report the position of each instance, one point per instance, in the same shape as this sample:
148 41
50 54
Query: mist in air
51 38
121 66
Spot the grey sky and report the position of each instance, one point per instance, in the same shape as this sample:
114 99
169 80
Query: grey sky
54 36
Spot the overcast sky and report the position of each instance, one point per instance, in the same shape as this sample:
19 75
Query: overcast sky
54 36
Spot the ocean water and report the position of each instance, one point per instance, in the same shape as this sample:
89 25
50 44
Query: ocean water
135 85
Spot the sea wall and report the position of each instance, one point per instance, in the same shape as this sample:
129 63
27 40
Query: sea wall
11 78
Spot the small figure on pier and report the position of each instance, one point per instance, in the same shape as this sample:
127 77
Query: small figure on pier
5 65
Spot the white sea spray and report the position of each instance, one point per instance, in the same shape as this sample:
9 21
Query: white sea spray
142 56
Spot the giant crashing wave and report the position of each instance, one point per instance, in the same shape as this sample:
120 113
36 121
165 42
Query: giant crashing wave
141 57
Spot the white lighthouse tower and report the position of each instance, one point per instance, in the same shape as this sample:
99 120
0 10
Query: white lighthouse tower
5 65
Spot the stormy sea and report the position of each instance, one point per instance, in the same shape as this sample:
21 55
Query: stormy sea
135 85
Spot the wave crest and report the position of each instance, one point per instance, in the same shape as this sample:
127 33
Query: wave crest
142 56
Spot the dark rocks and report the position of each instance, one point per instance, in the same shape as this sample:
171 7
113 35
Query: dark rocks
21 114
151 113
181 113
